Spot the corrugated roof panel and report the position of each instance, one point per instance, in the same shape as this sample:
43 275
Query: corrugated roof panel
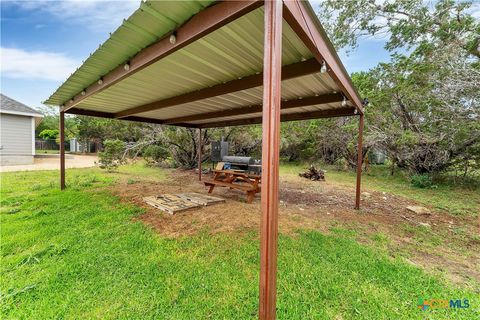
109 56
178 11
306 86
218 57
308 109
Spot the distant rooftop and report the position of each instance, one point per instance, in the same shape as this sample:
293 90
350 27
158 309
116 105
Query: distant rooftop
9 105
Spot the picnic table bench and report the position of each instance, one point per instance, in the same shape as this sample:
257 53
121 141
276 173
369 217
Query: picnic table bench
233 179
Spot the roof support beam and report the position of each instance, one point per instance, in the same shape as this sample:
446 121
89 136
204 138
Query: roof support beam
289 104
297 15
330 113
288 72
272 93
359 162
108 115
62 151
201 24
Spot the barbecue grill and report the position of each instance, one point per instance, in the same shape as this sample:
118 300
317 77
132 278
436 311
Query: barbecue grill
247 164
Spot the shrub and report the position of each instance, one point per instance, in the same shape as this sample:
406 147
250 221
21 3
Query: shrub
47 134
421 181
112 155
341 164
155 154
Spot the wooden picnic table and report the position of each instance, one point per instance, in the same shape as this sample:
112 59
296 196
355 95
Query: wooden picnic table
234 179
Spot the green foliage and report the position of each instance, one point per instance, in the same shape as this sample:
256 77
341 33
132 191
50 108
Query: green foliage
98 129
424 104
50 122
403 23
421 180
299 140
155 154
243 141
411 117
49 134
113 154
183 144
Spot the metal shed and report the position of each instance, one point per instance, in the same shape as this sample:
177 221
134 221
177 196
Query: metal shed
17 132
204 64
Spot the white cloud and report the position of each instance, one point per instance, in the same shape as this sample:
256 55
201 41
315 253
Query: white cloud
104 15
475 10
21 64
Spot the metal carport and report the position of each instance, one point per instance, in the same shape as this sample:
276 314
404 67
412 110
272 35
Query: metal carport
205 64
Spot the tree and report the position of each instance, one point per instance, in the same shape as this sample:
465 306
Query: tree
51 121
49 134
113 155
242 140
155 154
421 130
403 23
183 143
97 130
424 104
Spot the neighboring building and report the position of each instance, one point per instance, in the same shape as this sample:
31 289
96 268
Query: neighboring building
17 132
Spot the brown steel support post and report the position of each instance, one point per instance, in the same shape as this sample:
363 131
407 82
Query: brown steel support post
359 161
62 150
272 67
200 154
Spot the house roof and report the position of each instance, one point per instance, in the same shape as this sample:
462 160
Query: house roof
210 73
9 105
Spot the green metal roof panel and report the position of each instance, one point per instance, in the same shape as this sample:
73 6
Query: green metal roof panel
231 52
152 21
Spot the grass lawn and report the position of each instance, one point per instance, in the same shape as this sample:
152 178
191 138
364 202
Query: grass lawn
40 151
82 254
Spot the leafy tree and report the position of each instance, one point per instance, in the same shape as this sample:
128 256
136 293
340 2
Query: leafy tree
48 134
424 104
96 130
51 121
113 155
155 154
242 140
403 23
421 131
299 140
183 144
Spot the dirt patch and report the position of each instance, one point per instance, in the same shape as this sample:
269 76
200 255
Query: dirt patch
320 206
52 162
233 215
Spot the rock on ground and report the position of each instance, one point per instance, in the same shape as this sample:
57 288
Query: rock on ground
418 209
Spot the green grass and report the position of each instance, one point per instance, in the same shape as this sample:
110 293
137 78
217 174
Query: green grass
40 151
456 200
81 254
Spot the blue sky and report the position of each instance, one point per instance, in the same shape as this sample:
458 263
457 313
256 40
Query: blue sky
43 41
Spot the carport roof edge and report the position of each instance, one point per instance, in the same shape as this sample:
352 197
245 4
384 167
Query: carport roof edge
103 60
150 27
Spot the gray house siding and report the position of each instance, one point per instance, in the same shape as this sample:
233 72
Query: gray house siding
16 141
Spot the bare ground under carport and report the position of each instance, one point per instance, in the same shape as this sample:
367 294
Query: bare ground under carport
52 162
323 206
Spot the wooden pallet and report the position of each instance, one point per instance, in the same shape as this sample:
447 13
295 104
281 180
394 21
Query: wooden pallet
201 199
170 203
